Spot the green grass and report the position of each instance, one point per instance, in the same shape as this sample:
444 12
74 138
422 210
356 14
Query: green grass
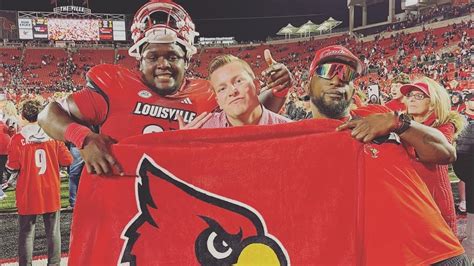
9 203
452 176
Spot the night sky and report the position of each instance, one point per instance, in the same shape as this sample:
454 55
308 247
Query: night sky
244 19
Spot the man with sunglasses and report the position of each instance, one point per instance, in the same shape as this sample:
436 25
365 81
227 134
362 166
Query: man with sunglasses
123 103
331 90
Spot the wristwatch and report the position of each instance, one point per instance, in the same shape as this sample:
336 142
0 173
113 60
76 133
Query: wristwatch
403 123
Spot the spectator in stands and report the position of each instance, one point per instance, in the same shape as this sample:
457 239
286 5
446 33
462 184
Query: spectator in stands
37 158
331 90
464 169
164 50
396 104
457 102
428 103
236 90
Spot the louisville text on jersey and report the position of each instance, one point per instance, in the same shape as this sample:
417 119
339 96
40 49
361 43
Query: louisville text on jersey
157 111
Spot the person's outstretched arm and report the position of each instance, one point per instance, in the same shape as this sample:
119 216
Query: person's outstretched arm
67 123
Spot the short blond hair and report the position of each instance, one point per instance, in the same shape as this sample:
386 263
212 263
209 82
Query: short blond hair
223 60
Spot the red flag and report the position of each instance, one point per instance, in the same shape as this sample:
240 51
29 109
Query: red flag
85 3
298 193
54 2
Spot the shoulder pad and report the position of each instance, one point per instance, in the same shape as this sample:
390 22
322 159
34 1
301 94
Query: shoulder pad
105 75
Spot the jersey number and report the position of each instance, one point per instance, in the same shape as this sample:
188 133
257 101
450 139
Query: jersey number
40 160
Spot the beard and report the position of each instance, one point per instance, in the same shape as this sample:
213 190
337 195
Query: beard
165 91
334 109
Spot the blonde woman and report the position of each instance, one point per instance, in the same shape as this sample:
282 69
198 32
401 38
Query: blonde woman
428 103
10 117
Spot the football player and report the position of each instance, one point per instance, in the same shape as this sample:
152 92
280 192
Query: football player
124 103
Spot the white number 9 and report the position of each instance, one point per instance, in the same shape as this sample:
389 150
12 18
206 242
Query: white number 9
40 160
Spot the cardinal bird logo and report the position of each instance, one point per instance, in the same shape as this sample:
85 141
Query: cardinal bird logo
180 224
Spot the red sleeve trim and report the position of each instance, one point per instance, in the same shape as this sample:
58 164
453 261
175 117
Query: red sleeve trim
92 106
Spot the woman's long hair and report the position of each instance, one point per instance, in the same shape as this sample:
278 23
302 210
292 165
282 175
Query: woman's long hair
440 104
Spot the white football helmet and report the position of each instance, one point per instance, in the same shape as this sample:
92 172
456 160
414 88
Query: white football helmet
162 21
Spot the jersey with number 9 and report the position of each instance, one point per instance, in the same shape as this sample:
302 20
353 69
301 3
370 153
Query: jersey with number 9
38 185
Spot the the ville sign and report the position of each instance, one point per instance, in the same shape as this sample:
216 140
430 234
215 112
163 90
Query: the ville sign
72 9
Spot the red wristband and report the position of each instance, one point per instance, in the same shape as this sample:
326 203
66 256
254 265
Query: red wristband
282 93
76 134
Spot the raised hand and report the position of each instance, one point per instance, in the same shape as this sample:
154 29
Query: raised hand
277 75
196 123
